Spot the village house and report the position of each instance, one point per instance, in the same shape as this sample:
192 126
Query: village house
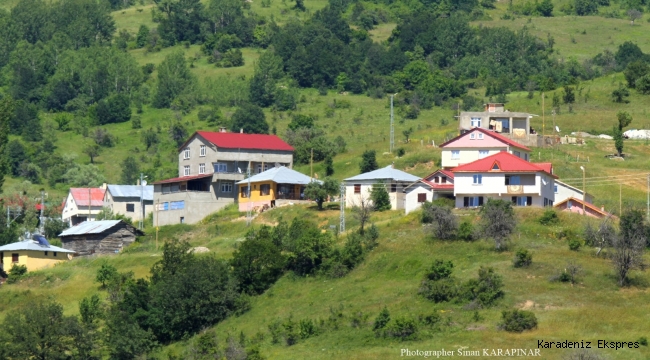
513 125
32 254
507 177
82 204
272 188
438 184
209 165
478 143
357 188
125 200
99 237
577 206
564 191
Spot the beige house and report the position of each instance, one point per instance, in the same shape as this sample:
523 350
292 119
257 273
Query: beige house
477 144
357 188
82 204
513 125
209 165
125 200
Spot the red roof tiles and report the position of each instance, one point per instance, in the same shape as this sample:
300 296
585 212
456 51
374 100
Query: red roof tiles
492 134
80 196
503 162
245 141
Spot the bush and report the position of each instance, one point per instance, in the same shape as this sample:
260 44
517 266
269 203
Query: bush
440 270
523 258
438 291
17 270
485 290
443 220
498 221
382 319
643 341
575 244
402 329
549 217
466 231
518 320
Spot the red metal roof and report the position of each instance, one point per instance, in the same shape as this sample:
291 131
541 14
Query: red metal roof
80 196
505 162
490 133
245 141
548 167
445 172
580 202
183 178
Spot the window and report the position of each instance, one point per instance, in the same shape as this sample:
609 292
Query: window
436 180
265 189
473 201
14 258
220 167
46 253
480 136
201 168
513 180
478 179
443 180
517 154
455 154
472 136
393 188
522 200
182 220
54 253
483 153
202 151
226 187
243 190
130 207
555 189
422 198
475 122
261 169
357 188
186 153
186 170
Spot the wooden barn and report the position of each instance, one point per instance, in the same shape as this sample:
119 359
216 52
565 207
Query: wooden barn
99 237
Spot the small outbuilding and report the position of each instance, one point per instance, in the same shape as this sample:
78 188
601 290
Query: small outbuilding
99 237
358 188
33 254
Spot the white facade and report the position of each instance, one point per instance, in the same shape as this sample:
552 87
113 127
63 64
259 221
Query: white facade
564 191
539 187
357 190
73 214
415 194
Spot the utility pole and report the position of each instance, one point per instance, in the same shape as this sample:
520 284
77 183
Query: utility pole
157 206
249 214
8 216
543 124
584 190
42 219
620 199
89 203
140 224
342 206
392 126
648 209
311 164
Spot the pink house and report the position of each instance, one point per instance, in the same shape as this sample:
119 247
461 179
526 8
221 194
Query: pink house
576 205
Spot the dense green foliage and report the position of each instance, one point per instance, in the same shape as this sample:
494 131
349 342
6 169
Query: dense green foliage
320 191
518 320
379 197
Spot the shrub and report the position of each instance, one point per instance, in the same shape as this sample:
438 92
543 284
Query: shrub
485 290
643 341
105 274
430 320
307 328
443 220
402 329
438 291
466 231
523 258
382 319
440 270
401 152
549 217
575 244
371 237
17 270
518 320
498 221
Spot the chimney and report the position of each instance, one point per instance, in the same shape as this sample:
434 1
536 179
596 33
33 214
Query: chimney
222 129
392 165
602 208
241 130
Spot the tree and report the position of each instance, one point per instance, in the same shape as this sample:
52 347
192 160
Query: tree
149 137
258 262
634 14
84 175
92 150
444 222
320 191
585 7
174 80
130 171
407 134
621 94
143 36
368 161
629 245
251 119
642 84
15 154
264 81
545 7
497 221
634 71
624 119
379 197
114 109
6 109
105 274
361 212
329 166
569 96
177 133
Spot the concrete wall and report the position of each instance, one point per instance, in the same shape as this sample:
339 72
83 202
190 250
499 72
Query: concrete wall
536 199
34 260
396 198
564 192
411 196
118 206
493 186
197 205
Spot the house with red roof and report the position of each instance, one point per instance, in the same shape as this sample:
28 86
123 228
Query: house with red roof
209 165
82 204
581 207
504 176
438 184
476 144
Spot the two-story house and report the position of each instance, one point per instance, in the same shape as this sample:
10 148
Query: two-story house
514 125
125 200
478 143
82 204
209 165
504 176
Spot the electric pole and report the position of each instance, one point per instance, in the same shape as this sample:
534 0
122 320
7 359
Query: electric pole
42 219
140 224
342 206
392 126
249 214
648 206
543 124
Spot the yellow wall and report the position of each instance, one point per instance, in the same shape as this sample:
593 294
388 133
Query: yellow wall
34 260
255 192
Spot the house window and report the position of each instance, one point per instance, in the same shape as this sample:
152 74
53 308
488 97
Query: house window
517 154
480 136
202 151
357 188
436 180
478 179
475 122
186 153
46 253
473 201
265 189
201 168
226 187
513 180
555 189
522 200
472 136
483 153
422 198
443 179
261 169
220 167
130 207
243 191
186 170
182 220
54 253
14 258
393 188
455 154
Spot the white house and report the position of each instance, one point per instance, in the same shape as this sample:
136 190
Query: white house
564 191
438 184
82 204
125 200
476 144
358 187
507 177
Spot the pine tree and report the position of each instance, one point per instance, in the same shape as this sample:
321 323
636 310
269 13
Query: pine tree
130 170
379 197
6 109
329 166
368 161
